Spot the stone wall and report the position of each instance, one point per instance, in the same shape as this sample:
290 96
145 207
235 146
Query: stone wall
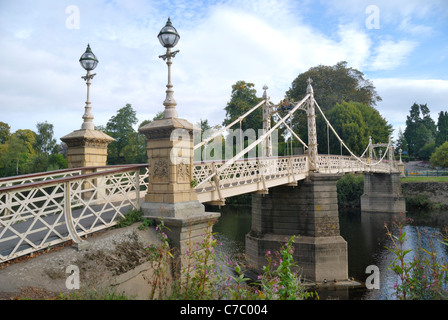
434 192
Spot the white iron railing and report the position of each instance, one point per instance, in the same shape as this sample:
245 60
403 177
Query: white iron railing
251 175
41 176
40 214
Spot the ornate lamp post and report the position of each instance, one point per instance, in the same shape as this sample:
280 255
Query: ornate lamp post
168 38
89 62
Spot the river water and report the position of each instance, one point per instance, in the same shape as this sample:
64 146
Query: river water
366 241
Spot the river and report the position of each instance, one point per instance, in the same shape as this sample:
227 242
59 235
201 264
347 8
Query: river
366 241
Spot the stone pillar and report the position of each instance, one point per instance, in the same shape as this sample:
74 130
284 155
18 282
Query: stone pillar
87 148
170 196
308 211
382 193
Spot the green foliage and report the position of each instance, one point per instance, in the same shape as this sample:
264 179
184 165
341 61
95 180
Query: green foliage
419 201
335 84
354 97
243 98
420 129
132 217
5 132
442 128
350 189
120 128
25 151
348 122
208 275
440 156
424 277
45 143
426 151
282 283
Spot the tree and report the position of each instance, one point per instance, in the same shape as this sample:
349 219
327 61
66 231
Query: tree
13 156
420 129
440 156
243 98
5 132
348 121
120 128
17 153
335 84
442 128
45 143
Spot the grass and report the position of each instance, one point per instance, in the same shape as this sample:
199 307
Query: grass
425 179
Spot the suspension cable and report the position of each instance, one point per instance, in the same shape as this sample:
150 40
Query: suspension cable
342 142
255 143
217 133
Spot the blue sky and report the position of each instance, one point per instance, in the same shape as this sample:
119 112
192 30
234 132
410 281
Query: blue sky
401 46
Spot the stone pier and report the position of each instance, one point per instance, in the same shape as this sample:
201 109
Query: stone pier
87 148
170 195
309 212
382 193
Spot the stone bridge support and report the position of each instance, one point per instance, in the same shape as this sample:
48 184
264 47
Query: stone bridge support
308 211
170 197
382 193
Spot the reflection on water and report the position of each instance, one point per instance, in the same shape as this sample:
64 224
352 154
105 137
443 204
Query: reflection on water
366 240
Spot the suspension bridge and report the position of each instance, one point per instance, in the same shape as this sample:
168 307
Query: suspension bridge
41 210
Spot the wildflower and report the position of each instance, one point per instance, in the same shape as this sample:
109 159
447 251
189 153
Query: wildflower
395 285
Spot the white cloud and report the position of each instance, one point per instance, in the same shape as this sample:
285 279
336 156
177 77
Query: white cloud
391 54
417 30
400 94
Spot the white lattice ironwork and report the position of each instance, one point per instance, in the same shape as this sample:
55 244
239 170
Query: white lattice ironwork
49 175
37 215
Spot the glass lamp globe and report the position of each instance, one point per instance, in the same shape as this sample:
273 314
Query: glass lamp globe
168 36
88 60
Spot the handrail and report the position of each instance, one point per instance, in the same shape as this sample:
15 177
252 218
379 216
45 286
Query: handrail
121 168
39 214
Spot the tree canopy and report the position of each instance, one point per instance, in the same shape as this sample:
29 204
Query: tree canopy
26 151
334 84
341 91
420 130
442 128
243 98
440 156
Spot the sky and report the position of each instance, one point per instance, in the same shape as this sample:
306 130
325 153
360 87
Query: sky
400 45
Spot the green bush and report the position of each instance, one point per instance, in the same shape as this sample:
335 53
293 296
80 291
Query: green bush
350 189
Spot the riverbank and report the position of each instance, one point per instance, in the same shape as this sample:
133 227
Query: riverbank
427 193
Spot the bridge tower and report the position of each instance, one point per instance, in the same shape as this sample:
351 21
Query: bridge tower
312 132
382 191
